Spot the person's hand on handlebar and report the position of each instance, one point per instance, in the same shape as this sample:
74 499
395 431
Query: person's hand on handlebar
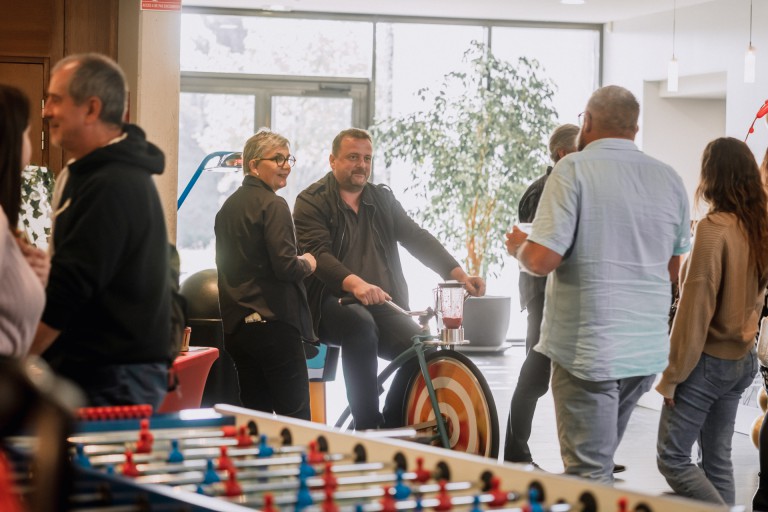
364 292
475 285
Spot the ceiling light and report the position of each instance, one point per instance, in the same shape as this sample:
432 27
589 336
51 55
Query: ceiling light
749 57
672 68
572 2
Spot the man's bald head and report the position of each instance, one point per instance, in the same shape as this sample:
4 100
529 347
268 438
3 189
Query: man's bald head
612 112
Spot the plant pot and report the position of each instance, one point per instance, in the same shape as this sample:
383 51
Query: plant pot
486 320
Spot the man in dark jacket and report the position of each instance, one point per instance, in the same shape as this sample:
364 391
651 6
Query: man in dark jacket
533 382
106 323
353 228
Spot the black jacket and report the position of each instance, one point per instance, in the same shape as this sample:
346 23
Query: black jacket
108 289
531 286
320 228
256 258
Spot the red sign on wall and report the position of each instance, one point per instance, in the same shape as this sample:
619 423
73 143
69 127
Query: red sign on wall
160 5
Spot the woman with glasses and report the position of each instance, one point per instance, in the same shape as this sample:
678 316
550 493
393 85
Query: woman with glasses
712 356
261 291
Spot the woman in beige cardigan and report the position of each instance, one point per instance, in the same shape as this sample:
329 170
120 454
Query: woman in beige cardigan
712 346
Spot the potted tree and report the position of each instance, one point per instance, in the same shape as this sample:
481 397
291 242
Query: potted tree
36 193
473 149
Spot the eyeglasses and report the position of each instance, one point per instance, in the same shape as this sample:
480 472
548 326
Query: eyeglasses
583 116
280 160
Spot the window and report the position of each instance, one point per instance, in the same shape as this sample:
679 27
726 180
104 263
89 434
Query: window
276 46
310 78
569 57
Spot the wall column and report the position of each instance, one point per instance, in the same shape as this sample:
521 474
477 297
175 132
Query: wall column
149 52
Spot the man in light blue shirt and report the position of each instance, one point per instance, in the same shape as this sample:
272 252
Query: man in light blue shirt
611 226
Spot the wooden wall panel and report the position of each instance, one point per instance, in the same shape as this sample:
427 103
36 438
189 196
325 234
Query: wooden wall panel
41 32
91 26
32 28
29 77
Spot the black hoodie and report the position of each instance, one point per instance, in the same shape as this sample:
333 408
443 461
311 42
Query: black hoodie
108 287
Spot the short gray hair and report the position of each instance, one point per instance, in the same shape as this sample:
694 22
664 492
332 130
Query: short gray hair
262 142
564 137
614 109
97 75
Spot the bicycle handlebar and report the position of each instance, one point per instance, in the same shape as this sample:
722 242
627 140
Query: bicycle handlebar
349 299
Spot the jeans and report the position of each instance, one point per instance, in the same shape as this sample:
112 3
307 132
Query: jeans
591 419
365 333
704 412
271 368
532 384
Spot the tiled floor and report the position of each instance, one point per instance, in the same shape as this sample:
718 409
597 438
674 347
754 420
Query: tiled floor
637 451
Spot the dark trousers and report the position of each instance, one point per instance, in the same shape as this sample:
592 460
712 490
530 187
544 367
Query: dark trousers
119 384
271 368
532 384
365 333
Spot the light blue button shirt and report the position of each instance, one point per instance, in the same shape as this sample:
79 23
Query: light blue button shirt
617 216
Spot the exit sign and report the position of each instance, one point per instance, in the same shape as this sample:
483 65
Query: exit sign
160 5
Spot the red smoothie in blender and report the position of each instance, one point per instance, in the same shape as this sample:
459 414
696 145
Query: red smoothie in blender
451 323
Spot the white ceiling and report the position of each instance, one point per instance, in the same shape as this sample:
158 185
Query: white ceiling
592 11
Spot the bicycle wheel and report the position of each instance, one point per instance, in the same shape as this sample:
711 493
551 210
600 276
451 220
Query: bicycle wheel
464 399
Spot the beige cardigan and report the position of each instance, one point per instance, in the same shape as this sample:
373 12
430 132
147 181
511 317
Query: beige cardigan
721 298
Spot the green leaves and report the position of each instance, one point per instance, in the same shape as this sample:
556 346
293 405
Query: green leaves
36 193
475 146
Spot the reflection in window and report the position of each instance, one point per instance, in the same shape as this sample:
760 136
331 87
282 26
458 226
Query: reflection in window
411 57
310 124
208 122
275 46
569 57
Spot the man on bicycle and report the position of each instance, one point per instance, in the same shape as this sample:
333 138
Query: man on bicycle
353 228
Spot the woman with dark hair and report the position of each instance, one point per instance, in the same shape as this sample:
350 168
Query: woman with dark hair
22 294
712 356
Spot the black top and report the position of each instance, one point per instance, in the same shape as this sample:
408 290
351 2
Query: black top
321 230
529 285
108 290
257 260
364 258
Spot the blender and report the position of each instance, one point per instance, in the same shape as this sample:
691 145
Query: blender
450 310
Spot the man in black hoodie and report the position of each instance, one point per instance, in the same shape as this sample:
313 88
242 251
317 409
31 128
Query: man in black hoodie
106 321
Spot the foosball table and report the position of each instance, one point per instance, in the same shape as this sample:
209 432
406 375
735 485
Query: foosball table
231 459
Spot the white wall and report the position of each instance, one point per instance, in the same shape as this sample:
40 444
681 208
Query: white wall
693 123
710 38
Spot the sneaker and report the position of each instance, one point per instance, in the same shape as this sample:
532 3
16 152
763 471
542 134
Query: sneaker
619 468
